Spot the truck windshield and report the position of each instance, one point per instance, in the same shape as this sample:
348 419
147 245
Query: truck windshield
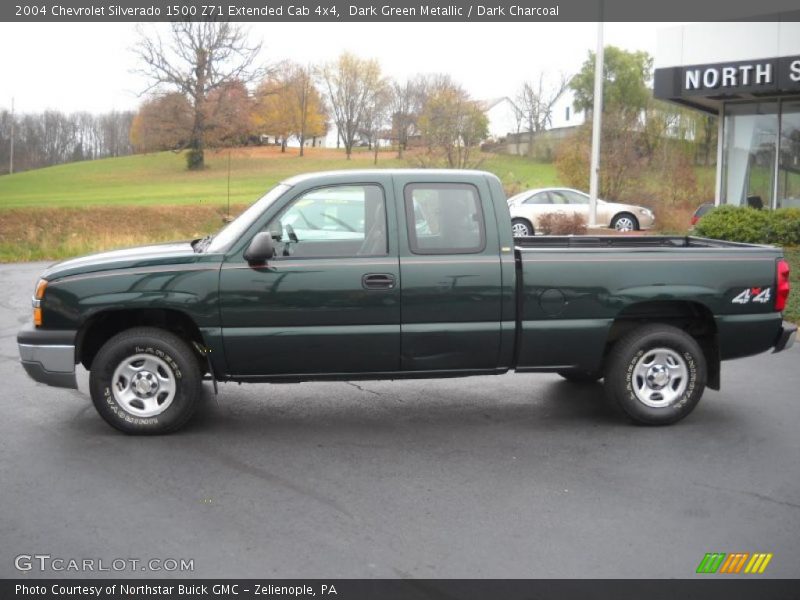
233 230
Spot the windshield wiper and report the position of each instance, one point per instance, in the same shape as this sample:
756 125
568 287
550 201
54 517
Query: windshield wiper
201 244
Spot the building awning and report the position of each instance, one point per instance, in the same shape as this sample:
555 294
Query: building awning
706 86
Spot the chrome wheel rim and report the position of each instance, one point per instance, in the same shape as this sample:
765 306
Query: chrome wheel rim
624 224
143 385
660 377
520 229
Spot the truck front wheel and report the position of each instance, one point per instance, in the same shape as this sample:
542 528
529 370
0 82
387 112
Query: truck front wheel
656 374
145 381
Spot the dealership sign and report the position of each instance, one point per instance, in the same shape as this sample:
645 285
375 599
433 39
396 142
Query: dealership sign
771 75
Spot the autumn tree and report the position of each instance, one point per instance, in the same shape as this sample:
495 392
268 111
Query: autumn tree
288 104
162 123
352 85
452 125
229 120
197 60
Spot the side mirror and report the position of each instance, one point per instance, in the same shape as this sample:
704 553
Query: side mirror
261 248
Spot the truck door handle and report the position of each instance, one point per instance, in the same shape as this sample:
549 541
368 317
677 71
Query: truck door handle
378 281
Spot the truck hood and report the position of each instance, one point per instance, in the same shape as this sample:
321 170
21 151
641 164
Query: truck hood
143 256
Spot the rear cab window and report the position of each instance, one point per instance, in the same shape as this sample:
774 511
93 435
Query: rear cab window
444 218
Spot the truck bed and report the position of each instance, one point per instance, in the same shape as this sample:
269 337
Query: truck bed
574 289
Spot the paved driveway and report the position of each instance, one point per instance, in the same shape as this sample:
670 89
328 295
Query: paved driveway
511 476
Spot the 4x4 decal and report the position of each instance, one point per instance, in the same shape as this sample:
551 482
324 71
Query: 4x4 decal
756 294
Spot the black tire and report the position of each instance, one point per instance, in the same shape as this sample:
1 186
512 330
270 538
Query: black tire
176 364
578 376
522 223
625 385
617 218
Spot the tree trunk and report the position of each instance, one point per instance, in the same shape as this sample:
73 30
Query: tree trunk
195 159
196 156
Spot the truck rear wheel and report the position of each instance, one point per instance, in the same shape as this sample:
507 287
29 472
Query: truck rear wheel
145 381
656 374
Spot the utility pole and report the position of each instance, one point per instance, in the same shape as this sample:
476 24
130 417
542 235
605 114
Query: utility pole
597 123
11 152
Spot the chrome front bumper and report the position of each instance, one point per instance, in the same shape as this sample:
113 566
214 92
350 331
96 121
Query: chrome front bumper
48 356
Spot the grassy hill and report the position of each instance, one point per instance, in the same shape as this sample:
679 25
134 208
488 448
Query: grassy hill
90 206
162 178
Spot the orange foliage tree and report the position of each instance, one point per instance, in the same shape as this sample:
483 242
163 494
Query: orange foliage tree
288 104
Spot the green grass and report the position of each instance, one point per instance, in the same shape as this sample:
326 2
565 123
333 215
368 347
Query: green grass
792 312
77 208
162 178
519 173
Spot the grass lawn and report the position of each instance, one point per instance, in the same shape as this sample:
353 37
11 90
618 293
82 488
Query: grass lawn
792 312
77 208
162 178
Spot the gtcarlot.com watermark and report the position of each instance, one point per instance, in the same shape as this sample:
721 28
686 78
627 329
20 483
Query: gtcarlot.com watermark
46 563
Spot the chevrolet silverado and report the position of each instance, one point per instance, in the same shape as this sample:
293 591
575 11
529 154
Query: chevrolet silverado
390 274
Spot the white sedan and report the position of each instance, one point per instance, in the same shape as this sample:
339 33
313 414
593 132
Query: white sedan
528 207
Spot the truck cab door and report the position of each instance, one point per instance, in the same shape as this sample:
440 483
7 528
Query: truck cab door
329 301
451 274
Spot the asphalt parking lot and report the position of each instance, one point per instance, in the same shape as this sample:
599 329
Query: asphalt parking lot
513 476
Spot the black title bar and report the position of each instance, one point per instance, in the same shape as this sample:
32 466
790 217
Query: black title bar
546 11
709 588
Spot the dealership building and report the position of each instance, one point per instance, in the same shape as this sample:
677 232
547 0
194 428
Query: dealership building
749 75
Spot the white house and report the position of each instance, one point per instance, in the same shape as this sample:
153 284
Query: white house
503 116
563 113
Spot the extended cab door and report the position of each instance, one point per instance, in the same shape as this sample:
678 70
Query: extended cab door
451 273
329 301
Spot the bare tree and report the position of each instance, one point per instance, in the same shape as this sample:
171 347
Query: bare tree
375 119
312 115
196 59
535 102
402 105
352 84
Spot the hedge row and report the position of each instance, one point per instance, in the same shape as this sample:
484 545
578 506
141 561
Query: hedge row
743 224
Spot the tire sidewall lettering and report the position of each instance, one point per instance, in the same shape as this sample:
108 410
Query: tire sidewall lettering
117 410
691 367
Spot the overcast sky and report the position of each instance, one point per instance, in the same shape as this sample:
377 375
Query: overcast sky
87 66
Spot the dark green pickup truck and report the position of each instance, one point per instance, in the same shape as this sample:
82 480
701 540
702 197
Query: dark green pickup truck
405 273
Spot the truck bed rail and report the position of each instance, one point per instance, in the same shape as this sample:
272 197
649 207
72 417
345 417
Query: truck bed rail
625 241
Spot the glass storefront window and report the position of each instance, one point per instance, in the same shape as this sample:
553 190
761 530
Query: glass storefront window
789 164
749 140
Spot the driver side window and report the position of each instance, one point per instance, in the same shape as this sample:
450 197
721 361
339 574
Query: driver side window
334 221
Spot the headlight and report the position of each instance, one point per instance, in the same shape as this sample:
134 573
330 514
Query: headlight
646 212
